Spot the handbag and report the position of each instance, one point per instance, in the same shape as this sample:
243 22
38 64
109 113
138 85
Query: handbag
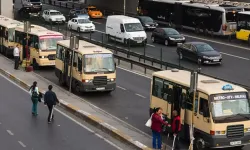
149 122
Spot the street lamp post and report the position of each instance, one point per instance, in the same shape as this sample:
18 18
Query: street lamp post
124 7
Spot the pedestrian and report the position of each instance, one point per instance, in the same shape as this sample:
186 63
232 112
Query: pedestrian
16 54
50 99
156 127
176 128
35 96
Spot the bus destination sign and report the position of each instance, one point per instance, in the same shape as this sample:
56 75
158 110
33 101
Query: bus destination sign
229 96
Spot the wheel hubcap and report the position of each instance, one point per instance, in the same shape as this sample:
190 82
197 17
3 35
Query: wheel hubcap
153 39
166 42
181 56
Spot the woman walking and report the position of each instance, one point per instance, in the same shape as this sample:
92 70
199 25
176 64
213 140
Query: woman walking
156 127
34 97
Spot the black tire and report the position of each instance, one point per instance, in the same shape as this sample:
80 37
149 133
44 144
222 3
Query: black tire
125 42
166 42
77 88
199 144
180 55
78 30
35 64
200 61
153 39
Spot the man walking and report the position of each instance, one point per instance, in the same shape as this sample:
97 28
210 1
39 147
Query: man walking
176 128
16 54
50 99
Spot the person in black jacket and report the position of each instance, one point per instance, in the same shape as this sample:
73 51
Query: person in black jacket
50 99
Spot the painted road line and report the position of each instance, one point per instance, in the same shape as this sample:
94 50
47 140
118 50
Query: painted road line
217 42
140 95
67 116
96 22
150 45
121 88
140 74
10 132
100 31
235 56
21 143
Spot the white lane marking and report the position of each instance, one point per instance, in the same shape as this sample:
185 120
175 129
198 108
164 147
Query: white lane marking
93 39
235 56
67 116
96 22
111 143
222 43
150 45
21 143
134 72
99 135
100 31
140 95
121 87
10 132
0 123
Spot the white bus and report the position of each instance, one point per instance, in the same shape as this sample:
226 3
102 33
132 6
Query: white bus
211 18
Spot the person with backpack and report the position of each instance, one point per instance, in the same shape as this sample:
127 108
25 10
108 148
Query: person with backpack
50 99
35 97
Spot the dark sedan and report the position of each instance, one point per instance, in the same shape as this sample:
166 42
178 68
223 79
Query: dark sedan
74 13
199 51
147 22
168 36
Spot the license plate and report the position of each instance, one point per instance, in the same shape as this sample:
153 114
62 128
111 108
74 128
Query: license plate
52 63
235 143
101 88
138 41
216 60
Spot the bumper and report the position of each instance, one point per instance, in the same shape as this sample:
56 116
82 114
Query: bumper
208 61
175 42
149 27
133 42
87 30
90 87
223 142
96 16
46 62
61 21
33 9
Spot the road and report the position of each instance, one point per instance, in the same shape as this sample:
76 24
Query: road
130 102
20 130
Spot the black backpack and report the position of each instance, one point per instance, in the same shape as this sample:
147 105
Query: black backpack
35 94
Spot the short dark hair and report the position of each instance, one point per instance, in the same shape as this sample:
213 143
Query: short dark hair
50 87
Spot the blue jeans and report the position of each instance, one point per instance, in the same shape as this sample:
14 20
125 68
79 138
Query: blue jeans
34 106
156 138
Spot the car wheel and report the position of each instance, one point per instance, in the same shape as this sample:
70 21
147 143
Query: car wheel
125 42
199 60
166 42
78 30
153 39
180 56
69 27
199 144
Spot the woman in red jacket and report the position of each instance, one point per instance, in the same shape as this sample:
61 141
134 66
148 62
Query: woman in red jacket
157 127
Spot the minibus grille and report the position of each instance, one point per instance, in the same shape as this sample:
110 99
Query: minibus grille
52 57
100 80
235 131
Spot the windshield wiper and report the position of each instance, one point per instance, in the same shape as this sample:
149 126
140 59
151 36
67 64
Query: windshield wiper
243 115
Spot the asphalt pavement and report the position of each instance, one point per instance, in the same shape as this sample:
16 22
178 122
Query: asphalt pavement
130 101
20 130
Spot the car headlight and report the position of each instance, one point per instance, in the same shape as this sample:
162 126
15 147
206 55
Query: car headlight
171 38
146 25
206 57
156 24
183 38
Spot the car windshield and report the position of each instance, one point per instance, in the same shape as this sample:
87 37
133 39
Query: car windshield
147 19
81 12
230 104
133 27
49 42
82 21
171 31
55 13
203 47
95 63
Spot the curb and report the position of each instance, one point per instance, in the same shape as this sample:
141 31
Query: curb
91 119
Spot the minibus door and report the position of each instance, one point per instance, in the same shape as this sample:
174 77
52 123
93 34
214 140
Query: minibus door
66 65
183 112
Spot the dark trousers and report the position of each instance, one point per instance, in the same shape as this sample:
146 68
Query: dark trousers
50 107
176 143
16 62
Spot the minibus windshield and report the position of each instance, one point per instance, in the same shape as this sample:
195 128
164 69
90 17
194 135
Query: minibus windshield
133 27
230 104
95 63
49 42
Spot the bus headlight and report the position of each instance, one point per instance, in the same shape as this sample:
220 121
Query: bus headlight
111 79
87 81
247 129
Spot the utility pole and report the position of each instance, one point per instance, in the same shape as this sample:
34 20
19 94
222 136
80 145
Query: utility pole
124 7
74 45
27 29
193 88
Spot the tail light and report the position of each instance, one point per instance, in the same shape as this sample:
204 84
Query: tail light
224 27
212 132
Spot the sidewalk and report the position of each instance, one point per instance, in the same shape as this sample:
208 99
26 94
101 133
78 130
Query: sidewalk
85 110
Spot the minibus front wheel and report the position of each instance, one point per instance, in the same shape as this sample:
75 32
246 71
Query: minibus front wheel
199 144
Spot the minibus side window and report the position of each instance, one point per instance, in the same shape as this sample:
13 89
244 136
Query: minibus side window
75 59
157 87
79 62
60 52
203 107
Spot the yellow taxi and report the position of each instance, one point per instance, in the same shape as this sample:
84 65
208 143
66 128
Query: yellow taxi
94 12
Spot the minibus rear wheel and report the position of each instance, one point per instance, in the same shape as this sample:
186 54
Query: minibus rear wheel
199 144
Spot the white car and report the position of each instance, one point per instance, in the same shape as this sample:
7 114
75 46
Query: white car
53 16
81 25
